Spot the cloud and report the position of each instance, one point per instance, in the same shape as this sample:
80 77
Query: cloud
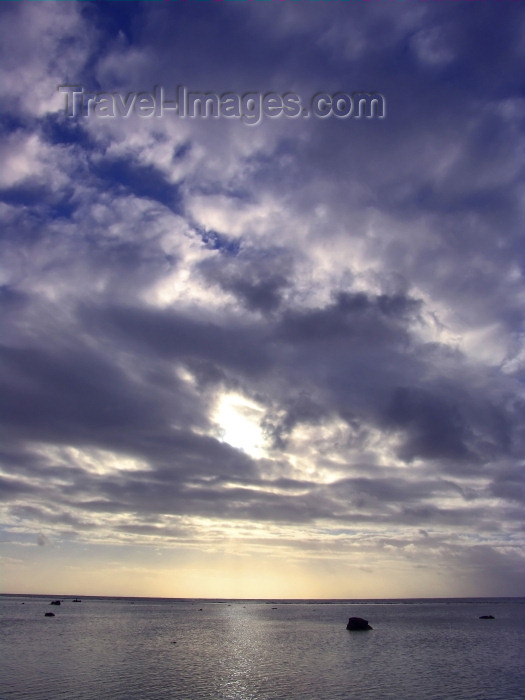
351 289
42 540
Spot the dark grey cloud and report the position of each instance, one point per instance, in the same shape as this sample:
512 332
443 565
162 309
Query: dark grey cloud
258 278
236 344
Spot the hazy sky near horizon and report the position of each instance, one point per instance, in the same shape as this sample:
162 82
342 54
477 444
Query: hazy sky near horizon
283 359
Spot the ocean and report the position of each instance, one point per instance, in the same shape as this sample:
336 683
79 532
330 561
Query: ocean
153 649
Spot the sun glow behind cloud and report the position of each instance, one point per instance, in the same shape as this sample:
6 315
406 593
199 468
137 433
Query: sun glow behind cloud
238 421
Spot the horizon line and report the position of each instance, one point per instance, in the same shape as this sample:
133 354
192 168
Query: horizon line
274 599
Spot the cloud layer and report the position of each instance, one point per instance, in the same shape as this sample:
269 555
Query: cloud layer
296 344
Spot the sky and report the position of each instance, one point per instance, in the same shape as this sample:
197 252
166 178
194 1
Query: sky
275 359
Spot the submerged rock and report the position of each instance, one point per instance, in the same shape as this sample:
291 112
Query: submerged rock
357 624
49 614
487 617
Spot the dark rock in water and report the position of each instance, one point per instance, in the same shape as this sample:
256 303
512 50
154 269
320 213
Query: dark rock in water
49 614
54 602
357 624
487 617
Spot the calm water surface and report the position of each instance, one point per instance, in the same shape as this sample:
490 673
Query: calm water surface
151 649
